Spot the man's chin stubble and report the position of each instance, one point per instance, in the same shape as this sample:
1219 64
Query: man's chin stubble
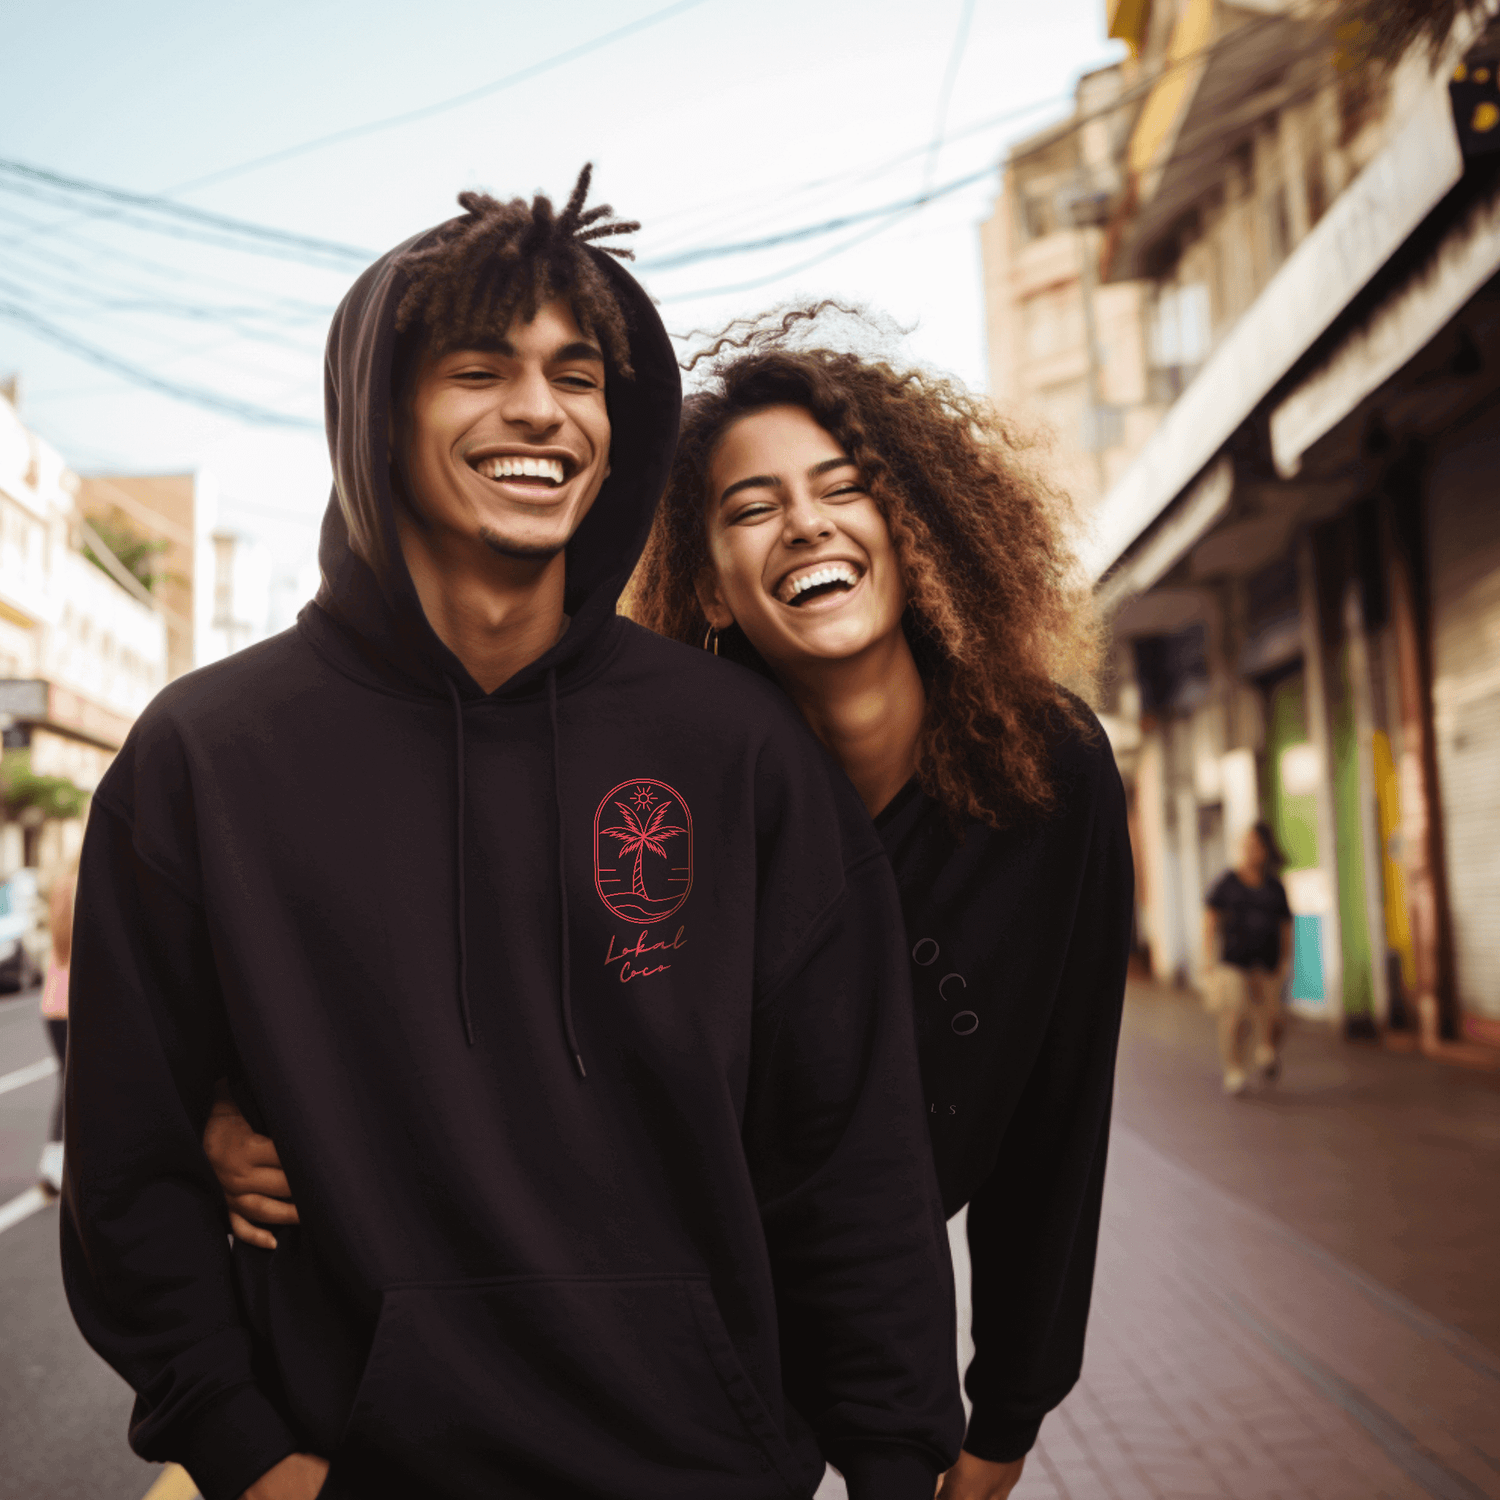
519 550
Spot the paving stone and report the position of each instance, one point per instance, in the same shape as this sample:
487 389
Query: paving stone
1231 1356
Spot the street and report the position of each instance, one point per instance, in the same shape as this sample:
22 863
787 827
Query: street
1293 1296
63 1411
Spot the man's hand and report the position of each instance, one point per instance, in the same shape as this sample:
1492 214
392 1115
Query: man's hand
299 1476
249 1171
977 1479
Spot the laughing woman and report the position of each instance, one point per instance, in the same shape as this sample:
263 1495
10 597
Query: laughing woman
870 539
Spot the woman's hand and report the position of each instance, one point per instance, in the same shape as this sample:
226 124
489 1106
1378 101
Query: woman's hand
249 1171
977 1479
299 1476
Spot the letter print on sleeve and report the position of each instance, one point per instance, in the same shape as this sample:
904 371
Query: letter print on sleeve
643 851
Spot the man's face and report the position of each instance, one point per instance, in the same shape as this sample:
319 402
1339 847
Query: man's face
508 445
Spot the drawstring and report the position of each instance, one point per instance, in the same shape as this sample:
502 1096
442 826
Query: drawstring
562 877
562 872
458 841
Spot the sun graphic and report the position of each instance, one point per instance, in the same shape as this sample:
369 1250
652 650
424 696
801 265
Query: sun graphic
644 797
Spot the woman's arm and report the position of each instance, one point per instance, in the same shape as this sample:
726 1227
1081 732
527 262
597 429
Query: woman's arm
1034 1222
977 1479
249 1172
60 919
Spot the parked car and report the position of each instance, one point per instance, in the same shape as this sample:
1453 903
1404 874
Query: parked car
20 907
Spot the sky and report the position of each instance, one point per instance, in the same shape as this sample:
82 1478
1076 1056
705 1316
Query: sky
713 122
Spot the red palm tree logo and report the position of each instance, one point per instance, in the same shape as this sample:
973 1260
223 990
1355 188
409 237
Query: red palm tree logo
649 890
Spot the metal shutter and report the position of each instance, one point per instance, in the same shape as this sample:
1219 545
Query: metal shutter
1464 519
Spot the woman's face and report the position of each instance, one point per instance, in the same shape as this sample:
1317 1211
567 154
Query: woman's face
1253 853
800 555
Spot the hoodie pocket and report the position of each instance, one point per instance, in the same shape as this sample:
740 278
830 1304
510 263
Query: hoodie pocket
624 1387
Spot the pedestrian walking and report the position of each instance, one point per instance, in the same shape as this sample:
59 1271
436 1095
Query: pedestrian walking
869 539
1247 944
55 1014
561 966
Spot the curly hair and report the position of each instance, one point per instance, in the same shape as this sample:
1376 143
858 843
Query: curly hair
500 260
998 615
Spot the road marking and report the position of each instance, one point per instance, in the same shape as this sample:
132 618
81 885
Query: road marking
174 1483
22 1206
33 1074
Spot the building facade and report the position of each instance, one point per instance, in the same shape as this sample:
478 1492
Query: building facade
1300 558
82 649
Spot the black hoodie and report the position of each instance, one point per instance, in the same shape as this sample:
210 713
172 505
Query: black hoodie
1019 942
579 1014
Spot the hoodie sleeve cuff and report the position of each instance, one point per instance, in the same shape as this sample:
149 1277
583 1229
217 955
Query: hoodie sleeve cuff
233 1442
887 1471
998 1439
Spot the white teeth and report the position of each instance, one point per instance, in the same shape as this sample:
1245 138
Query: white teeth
833 573
511 466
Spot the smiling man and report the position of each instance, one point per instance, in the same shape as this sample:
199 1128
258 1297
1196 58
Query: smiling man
563 970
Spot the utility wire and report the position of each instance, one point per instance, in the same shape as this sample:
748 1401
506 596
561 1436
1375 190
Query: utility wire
811 231
173 229
202 218
950 76
229 406
757 209
891 213
86 299
292 309
816 260
410 116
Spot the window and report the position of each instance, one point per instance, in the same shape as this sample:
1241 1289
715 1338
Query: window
1179 331
1052 322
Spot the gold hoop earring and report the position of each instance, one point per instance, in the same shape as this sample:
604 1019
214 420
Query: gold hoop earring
711 635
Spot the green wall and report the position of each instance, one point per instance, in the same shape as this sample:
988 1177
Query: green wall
1294 821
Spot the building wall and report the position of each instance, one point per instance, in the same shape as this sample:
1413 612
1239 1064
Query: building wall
1464 561
61 617
180 510
1039 266
241 597
86 654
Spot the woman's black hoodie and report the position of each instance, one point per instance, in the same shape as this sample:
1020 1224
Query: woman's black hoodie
579 1014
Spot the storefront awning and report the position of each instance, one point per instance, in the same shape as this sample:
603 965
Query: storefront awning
1397 330
1368 221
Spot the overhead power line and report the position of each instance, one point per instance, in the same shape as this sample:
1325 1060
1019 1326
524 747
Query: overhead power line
229 406
781 275
110 259
950 77
426 111
279 239
810 231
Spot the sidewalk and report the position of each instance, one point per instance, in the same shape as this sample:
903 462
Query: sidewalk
1296 1294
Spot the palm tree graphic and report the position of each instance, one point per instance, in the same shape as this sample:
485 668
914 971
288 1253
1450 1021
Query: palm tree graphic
636 837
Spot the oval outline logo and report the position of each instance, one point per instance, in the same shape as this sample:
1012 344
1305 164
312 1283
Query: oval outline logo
643 822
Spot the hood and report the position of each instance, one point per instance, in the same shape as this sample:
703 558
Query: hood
366 587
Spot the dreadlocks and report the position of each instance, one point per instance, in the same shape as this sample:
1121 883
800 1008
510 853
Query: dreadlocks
500 261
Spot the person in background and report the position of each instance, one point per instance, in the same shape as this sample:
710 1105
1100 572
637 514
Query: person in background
1247 942
55 1013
